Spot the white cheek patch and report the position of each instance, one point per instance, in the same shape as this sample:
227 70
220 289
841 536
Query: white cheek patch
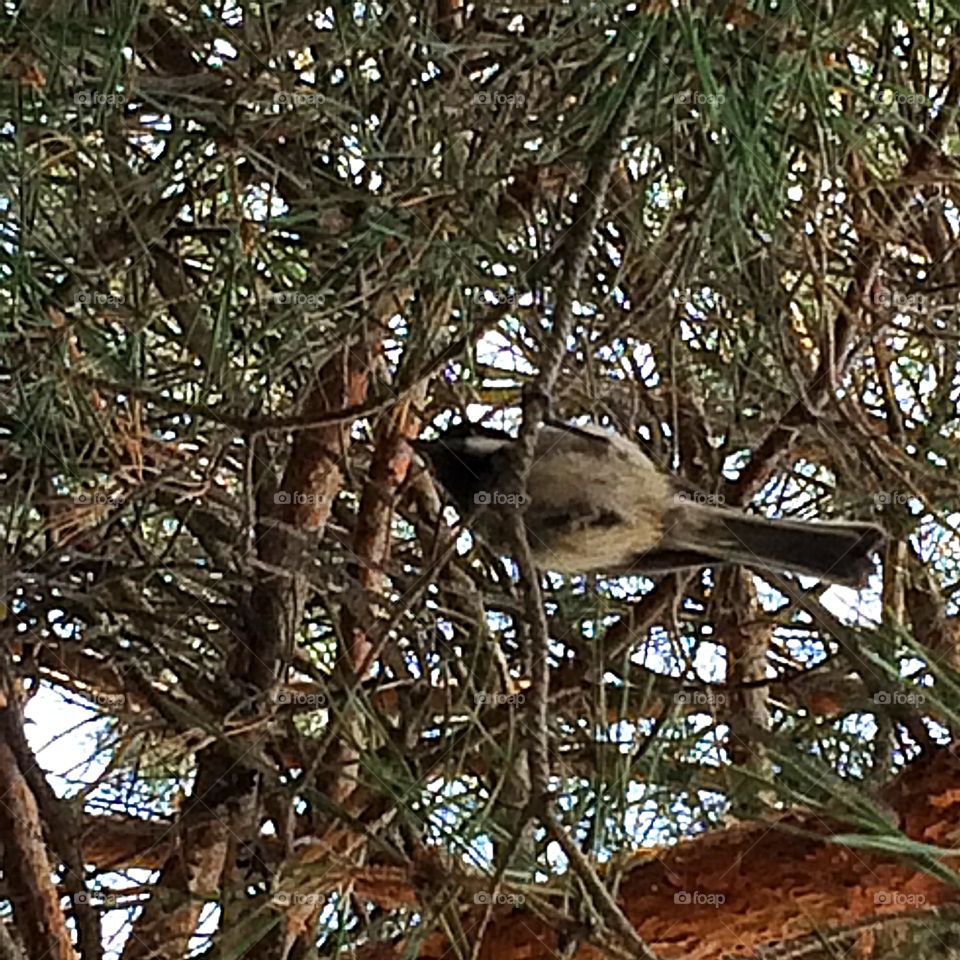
483 446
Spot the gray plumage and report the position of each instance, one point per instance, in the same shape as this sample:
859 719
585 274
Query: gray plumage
598 504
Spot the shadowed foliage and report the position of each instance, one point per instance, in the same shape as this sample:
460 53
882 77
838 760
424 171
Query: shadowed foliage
248 253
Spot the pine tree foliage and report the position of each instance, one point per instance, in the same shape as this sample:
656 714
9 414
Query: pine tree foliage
249 250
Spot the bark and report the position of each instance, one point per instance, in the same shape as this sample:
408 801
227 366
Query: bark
27 868
731 893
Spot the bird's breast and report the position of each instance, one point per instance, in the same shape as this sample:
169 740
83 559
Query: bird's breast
589 513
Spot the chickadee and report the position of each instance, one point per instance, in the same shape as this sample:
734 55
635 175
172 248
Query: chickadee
598 504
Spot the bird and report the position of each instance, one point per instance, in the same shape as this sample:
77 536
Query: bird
597 504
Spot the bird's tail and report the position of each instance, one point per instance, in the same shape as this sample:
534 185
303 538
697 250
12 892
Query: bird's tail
835 552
